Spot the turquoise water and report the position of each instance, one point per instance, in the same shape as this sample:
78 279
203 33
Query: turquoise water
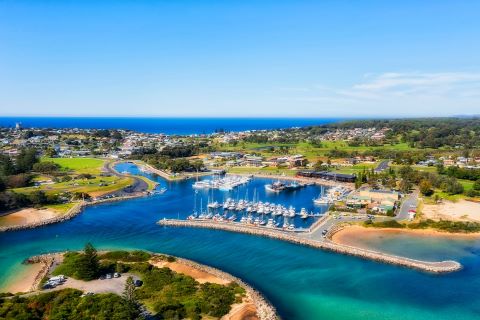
303 283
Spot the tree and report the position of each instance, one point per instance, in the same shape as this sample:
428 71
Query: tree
38 198
88 264
425 188
476 185
26 159
129 291
50 153
6 165
46 167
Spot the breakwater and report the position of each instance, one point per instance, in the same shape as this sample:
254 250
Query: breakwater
72 212
265 310
426 266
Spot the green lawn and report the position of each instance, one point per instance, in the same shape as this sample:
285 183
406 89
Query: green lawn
467 184
91 186
151 184
79 165
358 168
307 149
63 207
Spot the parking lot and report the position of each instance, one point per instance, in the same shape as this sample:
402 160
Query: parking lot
114 285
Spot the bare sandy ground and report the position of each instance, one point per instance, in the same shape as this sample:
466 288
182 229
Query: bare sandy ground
348 235
199 275
459 211
240 311
27 216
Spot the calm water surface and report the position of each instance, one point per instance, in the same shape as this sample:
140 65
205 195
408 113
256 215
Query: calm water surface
303 283
165 125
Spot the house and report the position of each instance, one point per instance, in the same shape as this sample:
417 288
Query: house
252 161
327 175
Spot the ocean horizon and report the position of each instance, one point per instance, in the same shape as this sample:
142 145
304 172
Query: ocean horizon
166 125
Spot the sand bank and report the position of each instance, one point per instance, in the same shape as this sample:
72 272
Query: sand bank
24 280
197 274
27 216
348 235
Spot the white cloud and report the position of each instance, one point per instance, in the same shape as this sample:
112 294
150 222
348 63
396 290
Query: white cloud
403 92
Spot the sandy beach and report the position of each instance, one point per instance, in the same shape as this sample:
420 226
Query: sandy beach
24 280
348 235
27 216
199 275
245 310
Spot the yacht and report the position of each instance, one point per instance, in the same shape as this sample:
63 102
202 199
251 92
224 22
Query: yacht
275 187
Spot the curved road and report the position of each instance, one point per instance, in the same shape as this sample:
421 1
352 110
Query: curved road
138 185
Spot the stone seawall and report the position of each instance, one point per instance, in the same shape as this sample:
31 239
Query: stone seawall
265 310
72 212
426 266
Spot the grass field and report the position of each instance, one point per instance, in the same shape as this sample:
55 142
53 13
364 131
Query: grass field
358 168
310 151
62 208
94 187
150 183
79 165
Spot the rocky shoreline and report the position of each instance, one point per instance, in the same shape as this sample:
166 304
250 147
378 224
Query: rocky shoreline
264 309
426 266
72 212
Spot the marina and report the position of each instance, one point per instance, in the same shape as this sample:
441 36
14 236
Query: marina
277 264
333 194
227 183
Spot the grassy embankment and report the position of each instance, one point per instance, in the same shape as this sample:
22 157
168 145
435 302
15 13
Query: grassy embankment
441 225
76 167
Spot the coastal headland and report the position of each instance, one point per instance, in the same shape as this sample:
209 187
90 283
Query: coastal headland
253 306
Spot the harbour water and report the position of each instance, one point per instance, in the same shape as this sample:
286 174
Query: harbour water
303 283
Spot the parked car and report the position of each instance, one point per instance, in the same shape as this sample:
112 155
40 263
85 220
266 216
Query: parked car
109 276
138 283
116 275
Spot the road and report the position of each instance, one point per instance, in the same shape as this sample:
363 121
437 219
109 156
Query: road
382 166
138 184
410 202
317 234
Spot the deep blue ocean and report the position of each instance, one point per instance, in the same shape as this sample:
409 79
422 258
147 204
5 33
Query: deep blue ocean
164 125
303 283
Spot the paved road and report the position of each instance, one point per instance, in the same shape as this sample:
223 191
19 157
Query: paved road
138 184
382 166
410 202
331 222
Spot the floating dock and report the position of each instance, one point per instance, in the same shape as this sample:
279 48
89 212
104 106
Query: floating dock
426 266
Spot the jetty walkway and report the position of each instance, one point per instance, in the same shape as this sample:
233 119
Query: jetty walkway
325 244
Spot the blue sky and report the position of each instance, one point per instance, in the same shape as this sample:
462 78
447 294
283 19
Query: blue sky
240 58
